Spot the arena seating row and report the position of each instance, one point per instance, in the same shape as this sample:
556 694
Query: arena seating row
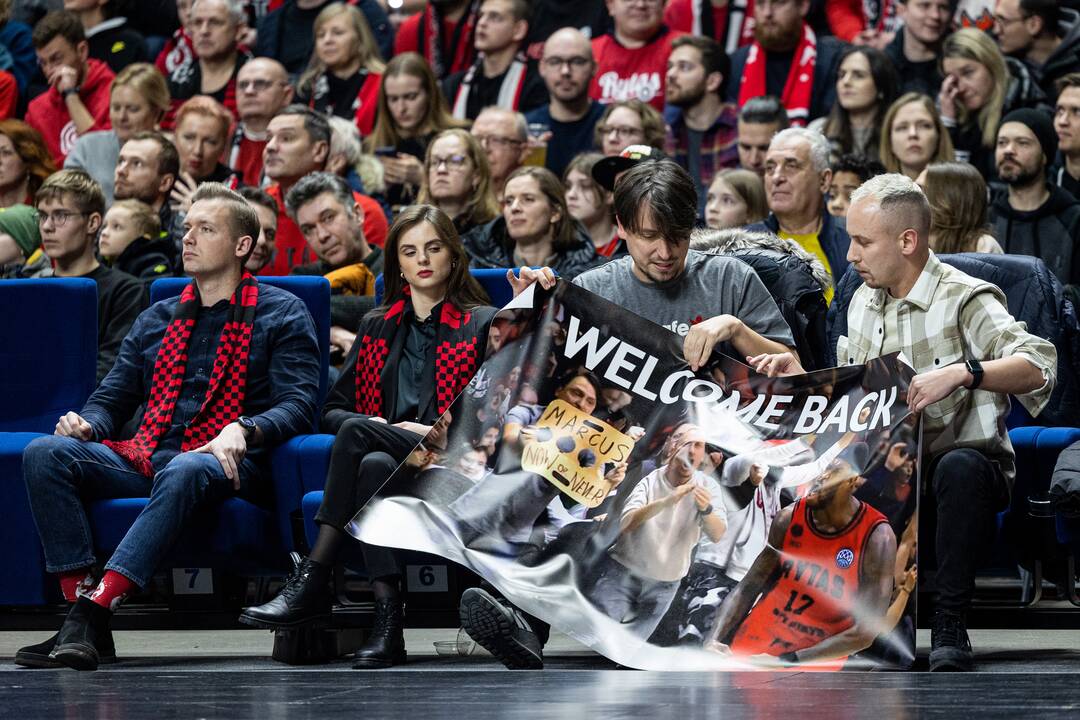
52 372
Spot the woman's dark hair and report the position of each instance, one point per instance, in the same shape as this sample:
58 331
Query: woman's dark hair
462 288
886 82
667 190
562 234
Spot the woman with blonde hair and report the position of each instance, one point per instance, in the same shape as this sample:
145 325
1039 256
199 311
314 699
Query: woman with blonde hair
457 180
346 69
913 136
959 220
981 86
25 162
411 112
138 101
735 198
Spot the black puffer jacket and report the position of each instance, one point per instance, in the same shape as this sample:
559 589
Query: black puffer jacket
147 260
1050 232
490 246
1033 295
1066 56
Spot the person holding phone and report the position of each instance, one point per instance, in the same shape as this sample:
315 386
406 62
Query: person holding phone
411 112
391 394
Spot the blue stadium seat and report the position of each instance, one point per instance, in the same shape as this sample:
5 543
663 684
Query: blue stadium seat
24 581
493 281
49 352
240 536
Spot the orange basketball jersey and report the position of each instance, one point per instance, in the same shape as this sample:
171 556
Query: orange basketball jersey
815 594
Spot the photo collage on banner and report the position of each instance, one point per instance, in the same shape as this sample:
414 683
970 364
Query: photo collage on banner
670 519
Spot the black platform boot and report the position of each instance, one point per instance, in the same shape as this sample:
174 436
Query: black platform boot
305 599
386 646
76 643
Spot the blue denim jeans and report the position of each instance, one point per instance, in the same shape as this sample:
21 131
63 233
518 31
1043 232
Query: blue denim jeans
62 474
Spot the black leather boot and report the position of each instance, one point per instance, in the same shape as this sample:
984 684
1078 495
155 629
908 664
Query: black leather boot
37 656
76 643
305 599
386 646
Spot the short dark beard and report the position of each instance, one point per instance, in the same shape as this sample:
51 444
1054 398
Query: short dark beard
782 42
690 100
1024 178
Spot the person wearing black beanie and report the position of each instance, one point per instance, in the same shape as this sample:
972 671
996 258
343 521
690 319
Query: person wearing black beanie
1033 216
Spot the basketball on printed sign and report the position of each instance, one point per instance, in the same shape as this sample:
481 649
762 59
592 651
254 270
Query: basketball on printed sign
570 449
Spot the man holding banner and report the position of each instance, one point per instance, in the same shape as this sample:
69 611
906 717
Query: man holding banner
970 355
711 300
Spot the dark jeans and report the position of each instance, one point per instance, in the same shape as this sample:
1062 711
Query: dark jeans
364 455
61 473
968 491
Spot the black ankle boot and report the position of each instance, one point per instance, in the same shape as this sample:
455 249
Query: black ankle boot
37 656
386 646
76 643
305 599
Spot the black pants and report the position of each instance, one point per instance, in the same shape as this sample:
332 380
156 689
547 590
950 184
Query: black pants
364 455
967 492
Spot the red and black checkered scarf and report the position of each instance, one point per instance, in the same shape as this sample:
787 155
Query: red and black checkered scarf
224 400
458 353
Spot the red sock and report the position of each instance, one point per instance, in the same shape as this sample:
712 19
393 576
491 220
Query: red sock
75 582
112 590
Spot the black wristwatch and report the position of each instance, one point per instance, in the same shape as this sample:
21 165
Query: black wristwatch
248 425
707 510
70 91
975 368
788 658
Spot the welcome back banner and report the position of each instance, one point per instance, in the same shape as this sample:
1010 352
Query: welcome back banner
665 518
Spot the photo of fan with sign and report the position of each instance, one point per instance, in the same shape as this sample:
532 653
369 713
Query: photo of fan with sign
665 517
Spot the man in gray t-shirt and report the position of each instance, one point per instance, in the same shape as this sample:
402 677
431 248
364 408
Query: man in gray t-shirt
707 299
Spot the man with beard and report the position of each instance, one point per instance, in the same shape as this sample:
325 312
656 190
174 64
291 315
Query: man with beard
1034 217
443 33
824 578
787 60
501 75
146 170
665 516
632 59
215 34
702 129
916 48
567 67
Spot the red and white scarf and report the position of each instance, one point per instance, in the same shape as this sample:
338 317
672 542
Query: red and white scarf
224 401
509 91
740 25
798 90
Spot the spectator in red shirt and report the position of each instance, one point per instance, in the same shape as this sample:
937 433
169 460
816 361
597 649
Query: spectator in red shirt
298 143
77 100
262 90
729 22
632 60
442 33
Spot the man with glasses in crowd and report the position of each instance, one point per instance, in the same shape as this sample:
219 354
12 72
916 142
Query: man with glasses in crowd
504 135
70 207
262 89
567 67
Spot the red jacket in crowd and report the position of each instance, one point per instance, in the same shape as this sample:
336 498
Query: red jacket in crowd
48 112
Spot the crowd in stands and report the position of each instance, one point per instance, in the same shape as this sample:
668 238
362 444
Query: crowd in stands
139 138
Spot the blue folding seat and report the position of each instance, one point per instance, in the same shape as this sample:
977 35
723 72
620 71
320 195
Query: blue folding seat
48 352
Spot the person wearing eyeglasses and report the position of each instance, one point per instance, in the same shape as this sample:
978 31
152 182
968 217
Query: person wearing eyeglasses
504 135
457 180
70 206
626 123
1041 34
567 67
501 74
262 88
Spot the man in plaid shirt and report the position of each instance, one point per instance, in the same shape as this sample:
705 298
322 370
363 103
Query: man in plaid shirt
969 355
